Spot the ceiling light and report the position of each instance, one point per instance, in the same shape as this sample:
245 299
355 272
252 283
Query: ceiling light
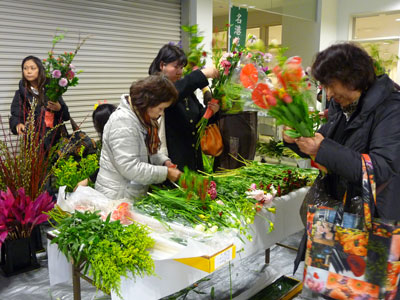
244 5
252 6
397 20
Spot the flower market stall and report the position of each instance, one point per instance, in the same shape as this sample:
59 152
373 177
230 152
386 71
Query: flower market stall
188 247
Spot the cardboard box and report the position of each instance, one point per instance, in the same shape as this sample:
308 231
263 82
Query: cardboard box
210 263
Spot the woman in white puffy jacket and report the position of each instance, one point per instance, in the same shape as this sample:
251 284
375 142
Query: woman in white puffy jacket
130 160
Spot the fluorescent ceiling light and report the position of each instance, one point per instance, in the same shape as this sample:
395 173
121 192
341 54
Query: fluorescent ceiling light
397 20
252 6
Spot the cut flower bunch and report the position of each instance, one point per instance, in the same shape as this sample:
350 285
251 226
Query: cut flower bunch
224 200
60 72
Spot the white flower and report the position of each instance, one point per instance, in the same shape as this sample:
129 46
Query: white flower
220 202
200 227
226 55
213 229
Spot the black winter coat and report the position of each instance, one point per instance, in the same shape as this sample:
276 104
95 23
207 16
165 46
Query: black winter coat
21 105
181 120
374 129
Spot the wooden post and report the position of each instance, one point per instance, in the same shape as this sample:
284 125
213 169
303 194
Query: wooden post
76 283
267 255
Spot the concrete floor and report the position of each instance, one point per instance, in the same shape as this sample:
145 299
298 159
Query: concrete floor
249 275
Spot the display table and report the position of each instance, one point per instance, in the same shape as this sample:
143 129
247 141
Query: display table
172 275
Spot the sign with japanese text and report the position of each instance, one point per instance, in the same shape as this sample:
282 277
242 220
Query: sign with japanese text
238 25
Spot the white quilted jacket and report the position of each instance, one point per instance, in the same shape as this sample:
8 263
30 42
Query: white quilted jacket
126 168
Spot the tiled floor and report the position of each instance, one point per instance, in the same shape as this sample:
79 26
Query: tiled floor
249 275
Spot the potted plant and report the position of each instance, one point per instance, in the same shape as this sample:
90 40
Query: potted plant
19 215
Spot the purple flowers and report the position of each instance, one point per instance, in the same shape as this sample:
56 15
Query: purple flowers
56 74
63 82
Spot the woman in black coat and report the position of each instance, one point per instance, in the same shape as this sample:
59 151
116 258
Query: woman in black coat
182 117
363 118
32 91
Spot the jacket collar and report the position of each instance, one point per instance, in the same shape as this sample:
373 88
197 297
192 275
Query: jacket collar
126 107
369 101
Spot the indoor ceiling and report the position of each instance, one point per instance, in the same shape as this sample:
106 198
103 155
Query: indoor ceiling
221 7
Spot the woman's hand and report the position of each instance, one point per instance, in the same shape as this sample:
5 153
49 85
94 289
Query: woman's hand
287 138
210 72
214 107
310 145
173 174
84 182
20 129
169 164
54 106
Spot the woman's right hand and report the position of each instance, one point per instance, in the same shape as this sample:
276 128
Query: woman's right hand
173 174
210 72
287 138
20 129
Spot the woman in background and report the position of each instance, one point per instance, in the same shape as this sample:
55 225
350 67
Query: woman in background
32 92
181 117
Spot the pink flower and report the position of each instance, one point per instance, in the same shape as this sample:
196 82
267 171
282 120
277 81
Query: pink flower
72 67
235 41
220 202
226 64
70 74
253 186
249 55
63 82
56 74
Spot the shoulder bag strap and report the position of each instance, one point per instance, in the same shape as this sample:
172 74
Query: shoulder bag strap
368 189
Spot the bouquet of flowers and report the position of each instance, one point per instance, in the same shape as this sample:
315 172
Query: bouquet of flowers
60 71
288 100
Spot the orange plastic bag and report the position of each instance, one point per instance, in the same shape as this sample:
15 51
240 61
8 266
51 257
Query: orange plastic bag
211 142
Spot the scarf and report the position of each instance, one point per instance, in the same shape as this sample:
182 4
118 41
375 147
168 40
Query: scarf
350 109
152 141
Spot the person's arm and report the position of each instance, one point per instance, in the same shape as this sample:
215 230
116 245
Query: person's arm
17 114
63 113
191 82
384 150
125 142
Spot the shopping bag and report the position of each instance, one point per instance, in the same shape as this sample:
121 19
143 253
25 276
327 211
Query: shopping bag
352 256
211 142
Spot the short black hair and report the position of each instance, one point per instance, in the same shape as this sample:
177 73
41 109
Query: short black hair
347 63
100 117
167 54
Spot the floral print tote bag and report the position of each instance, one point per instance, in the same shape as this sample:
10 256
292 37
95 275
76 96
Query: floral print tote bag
350 256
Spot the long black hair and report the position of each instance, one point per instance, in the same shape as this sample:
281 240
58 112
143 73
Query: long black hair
167 54
41 78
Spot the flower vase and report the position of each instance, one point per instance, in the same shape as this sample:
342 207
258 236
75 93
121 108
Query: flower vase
18 256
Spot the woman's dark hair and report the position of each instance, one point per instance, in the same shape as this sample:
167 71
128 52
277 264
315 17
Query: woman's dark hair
41 78
167 54
347 63
152 91
100 117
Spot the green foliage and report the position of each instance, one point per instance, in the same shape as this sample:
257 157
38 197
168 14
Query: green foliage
196 55
69 171
381 65
106 250
271 149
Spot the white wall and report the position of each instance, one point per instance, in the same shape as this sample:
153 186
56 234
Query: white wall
300 35
348 8
199 12
328 23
